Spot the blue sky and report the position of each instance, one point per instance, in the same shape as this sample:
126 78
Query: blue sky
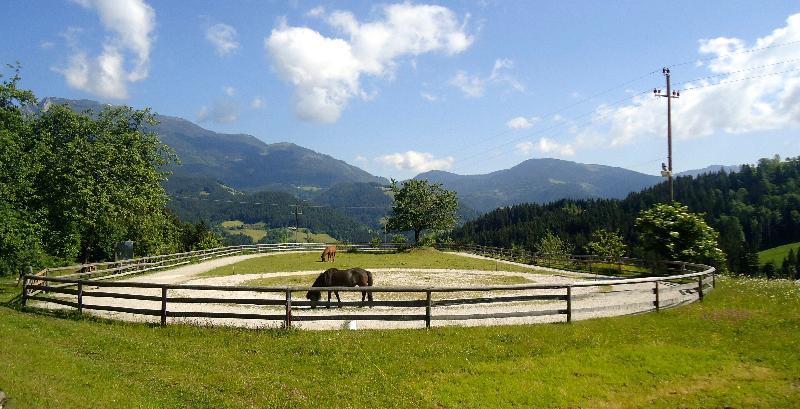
465 86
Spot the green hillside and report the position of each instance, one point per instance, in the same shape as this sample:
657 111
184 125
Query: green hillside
777 254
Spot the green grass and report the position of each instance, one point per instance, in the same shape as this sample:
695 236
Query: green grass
420 258
777 254
739 348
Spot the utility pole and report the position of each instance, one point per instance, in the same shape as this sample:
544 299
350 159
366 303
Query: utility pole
666 169
298 210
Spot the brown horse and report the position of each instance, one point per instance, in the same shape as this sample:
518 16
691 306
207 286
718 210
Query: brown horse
333 277
329 254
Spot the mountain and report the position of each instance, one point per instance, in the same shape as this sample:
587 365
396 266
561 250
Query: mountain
541 181
709 169
242 161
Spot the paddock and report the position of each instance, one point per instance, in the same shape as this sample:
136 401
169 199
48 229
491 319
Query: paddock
405 297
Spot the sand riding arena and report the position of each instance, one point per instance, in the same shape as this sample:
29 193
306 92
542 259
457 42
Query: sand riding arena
170 289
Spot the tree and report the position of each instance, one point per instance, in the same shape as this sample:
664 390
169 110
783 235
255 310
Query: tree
607 243
419 205
552 245
672 232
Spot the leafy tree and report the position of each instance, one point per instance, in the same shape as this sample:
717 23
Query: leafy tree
607 243
552 245
768 270
419 205
673 232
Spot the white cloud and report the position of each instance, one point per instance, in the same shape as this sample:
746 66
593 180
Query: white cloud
132 23
416 161
229 90
428 97
326 71
521 122
222 112
474 86
545 146
361 159
318 11
223 38
747 105
46 45
257 103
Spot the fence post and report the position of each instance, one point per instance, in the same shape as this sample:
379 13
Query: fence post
569 303
658 300
24 290
428 309
80 298
713 280
700 287
288 321
163 306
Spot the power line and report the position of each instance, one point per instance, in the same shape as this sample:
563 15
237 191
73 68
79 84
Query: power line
739 71
739 80
751 50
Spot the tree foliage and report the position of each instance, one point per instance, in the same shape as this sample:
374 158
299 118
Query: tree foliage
419 205
72 185
675 233
607 243
553 245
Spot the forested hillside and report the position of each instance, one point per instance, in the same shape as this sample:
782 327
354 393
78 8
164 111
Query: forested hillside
755 208
196 199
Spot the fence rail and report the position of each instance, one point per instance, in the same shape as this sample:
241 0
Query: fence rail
86 290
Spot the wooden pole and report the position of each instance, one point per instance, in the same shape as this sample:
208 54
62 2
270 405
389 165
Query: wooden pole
163 306
80 298
428 310
569 304
700 288
24 291
713 280
658 300
288 322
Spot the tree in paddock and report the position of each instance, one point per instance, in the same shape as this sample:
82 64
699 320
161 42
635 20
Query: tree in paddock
673 232
419 205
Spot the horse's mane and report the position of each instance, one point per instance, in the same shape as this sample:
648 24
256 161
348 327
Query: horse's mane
320 281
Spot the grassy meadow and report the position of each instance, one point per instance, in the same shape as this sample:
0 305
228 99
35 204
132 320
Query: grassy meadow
417 258
258 231
777 254
739 349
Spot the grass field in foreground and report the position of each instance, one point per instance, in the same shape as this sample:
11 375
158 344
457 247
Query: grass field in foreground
418 258
739 348
777 254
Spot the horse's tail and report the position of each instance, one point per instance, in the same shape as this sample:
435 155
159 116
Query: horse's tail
369 283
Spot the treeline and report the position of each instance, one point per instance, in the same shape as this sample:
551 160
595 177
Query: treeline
72 185
753 209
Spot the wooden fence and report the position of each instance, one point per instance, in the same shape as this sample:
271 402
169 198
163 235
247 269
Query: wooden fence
181 301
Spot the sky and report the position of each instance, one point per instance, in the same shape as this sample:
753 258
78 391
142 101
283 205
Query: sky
464 86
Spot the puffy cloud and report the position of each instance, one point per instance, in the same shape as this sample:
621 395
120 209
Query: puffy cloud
545 146
132 23
521 122
766 103
229 90
474 86
416 161
223 38
222 111
326 71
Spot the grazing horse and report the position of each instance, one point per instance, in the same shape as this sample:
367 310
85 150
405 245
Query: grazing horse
329 254
333 277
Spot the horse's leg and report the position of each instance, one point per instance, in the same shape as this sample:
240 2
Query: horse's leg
329 300
339 300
